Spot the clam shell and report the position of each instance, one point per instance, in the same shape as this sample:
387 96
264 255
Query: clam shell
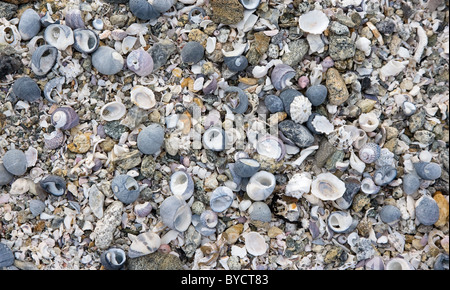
6 256
281 74
236 99
246 167
327 186
314 22
15 162
26 89
140 62
300 109
125 188
5 176
175 213
143 10
29 24
428 170
47 20
107 61
236 63
341 222
255 244
250 4
74 19
58 35
113 259
384 175
214 139
368 186
261 185
53 184
181 184
43 59
369 153
143 209
36 207
143 97
113 111
192 52
65 118
150 139
221 199
390 214
85 40
144 244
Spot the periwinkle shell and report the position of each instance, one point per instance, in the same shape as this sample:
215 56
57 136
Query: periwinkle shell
352 187
317 94
5 176
260 211
281 74
428 170
107 61
341 222
192 52
58 35
214 139
411 183
384 175
43 59
181 184
250 4
36 207
143 10
6 256
427 210
54 184
274 104
150 139
236 63
390 214
261 185
15 162
246 167
236 99
113 259
65 118
221 199
175 213
140 62
370 152
368 186
85 40
209 218
29 24
74 19
125 188
26 89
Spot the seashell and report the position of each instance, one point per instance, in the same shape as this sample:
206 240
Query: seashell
26 89
32 155
390 214
36 207
125 188
281 75
369 187
143 209
299 184
236 63
411 183
52 84
209 218
29 24
221 199
192 52
200 226
9 34
341 222
5 176
65 118
128 44
140 62
15 162
274 104
210 86
113 259
300 109
214 139
85 40
398 264
375 263
43 59
408 108
236 99
175 213
54 140
327 186
441 262
144 244
142 97
384 175
196 15
246 167
261 185
356 163
352 187
271 146
364 44
107 61
53 184
143 10
181 184
314 22
287 96
47 20
368 122
98 24
260 211
392 68
20 186
150 139
250 4
427 210
428 170
317 94
113 111
74 19
58 35
369 153
319 124
6 256
255 244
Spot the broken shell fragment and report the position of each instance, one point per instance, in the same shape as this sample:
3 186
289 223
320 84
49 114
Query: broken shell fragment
113 259
140 62
65 118
143 97
74 19
176 213
236 99
299 184
246 167
43 59
384 175
59 36
341 222
319 124
368 122
408 108
113 111
368 186
221 199
327 186
144 244
181 184
261 185
314 22
85 40
125 188
54 184
271 146
143 209
107 61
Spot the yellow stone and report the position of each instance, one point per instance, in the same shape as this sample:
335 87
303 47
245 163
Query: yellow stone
233 233
81 143
177 72
443 209
248 81
274 232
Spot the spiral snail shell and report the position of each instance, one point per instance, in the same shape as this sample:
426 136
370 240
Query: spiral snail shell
370 152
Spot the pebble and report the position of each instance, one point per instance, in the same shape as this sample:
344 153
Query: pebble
443 209
341 47
15 162
155 261
5 176
337 90
260 211
106 226
417 121
226 11
297 133
150 139
297 51
427 211
81 143
96 201
6 256
274 104
390 214
317 94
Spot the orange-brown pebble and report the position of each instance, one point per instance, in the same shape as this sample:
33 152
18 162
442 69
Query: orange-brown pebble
443 209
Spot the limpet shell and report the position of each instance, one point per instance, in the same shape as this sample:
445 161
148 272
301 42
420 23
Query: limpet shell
125 188
255 244
314 22
58 35
261 185
144 244
113 259
15 162
113 111
281 75
236 99
300 109
181 184
221 199
390 214
43 59
54 184
107 60
327 186
143 10
85 40
150 139
140 62
176 213
26 89
246 167
143 97
65 118
29 24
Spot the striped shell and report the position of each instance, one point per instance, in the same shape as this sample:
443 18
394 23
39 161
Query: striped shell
370 152
144 244
300 109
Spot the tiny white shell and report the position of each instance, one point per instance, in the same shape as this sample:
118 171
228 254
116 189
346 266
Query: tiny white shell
113 111
314 22
261 185
20 186
368 122
299 184
300 109
128 44
142 97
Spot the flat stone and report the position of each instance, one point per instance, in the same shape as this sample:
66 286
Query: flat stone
326 149
337 90
161 52
341 47
417 121
119 19
104 230
81 143
227 11
297 133
129 160
114 129
96 201
425 137
258 47
155 261
298 50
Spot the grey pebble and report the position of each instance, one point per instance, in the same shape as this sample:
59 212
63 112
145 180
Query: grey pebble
260 211
274 104
317 94
297 133
36 207
150 139
411 183
192 52
427 211
390 214
15 162
5 176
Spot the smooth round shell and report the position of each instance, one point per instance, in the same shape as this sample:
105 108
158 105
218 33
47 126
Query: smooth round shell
314 22
428 170
43 59
427 210
58 35
85 40
317 94
384 175
143 10
6 256
36 207
175 213
327 186
236 99
125 188
54 184
107 61
181 184
192 52
26 89
15 162
341 222
150 139
29 24
214 139
255 244
246 167
369 153
140 62
113 111
390 214
236 63
144 244
260 211
274 104
411 183
162 5
221 199
113 259
281 74
65 118
261 185
142 97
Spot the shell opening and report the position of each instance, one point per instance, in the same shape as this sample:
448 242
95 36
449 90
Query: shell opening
130 184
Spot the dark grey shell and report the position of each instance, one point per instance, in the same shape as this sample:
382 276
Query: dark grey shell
140 62
192 52
36 207
6 256
236 99
281 74
390 214
150 139
143 10
352 187
74 19
260 211
236 63
26 89
428 170
43 59
15 162
85 40
29 24
309 124
5 176
317 94
194 15
53 184
107 61
68 121
384 175
125 188
427 211
287 96
113 259
246 167
411 183
274 104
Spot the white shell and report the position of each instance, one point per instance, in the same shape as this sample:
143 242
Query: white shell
398 264
181 184
321 124
314 22
255 244
299 184
357 163
261 185
9 34
327 187
113 111
143 209
364 44
300 109
392 68
128 44
144 244
32 155
368 122
143 97
368 186
20 186
58 35
176 213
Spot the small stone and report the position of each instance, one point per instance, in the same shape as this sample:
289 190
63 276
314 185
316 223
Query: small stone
192 241
161 52
81 143
226 11
119 19
366 105
339 29
234 263
297 51
334 256
233 233
427 210
106 226
417 121
274 104
148 166
273 51
129 160
273 232
326 149
5 176
7 10
424 137
341 47
96 200
443 209
114 129
211 182
198 207
391 132
297 133
198 36
15 162
260 211
390 214
258 48
360 201
337 90
155 261
336 157
386 27
317 94
108 144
